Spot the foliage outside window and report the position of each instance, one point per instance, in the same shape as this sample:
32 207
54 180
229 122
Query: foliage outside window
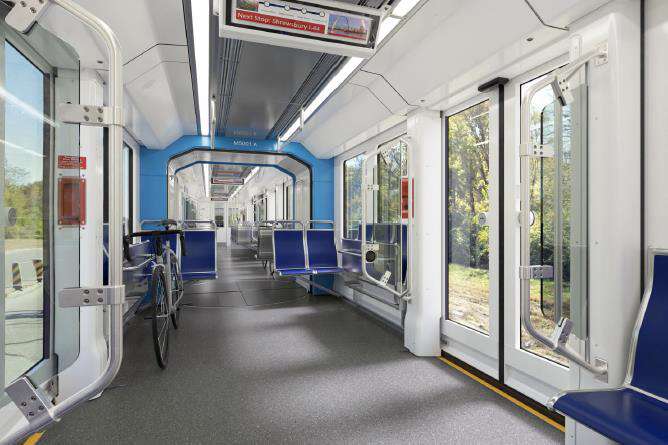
352 196
468 203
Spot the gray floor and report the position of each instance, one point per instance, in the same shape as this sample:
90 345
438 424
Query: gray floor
267 366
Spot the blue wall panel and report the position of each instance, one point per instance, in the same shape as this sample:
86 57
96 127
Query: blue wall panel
153 169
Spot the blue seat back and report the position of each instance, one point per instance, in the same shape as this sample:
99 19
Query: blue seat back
199 263
650 369
349 261
369 232
321 248
289 249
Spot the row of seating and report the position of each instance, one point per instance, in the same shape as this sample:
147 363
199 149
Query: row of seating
305 251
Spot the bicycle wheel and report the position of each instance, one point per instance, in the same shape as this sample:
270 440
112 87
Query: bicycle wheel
160 317
177 290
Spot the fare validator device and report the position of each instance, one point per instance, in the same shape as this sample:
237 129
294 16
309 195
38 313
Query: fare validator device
316 25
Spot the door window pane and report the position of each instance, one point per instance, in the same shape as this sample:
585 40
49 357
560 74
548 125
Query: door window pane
468 205
551 202
25 179
352 196
391 167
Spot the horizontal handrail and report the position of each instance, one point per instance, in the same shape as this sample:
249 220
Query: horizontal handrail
289 221
138 266
186 222
311 222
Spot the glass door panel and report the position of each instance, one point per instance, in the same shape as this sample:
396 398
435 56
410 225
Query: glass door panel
471 307
386 228
557 193
468 207
25 189
43 196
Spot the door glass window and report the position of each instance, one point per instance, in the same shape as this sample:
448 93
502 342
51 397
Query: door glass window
24 194
391 168
557 197
352 196
468 205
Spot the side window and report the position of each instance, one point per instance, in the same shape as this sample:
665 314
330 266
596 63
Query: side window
352 196
391 167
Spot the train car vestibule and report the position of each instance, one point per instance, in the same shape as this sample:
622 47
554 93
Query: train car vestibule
333 221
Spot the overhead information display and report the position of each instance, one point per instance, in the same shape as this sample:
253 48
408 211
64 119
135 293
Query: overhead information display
316 25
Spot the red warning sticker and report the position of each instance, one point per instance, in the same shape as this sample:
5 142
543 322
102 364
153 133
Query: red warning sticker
72 162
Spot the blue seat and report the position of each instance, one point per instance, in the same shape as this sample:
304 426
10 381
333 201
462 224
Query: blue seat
637 412
322 255
289 257
351 255
200 263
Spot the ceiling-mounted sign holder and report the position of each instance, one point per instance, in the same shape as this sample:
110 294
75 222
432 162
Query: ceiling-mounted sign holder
315 25
227 181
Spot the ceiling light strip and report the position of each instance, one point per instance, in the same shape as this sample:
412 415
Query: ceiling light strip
201 15
387 26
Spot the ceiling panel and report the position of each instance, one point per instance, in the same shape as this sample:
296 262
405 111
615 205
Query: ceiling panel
267 78
260 89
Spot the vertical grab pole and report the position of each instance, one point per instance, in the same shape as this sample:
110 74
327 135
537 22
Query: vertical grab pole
115 227
558 214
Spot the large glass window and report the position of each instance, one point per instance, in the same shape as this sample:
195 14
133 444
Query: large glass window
26 242
352 196
391 167
468 204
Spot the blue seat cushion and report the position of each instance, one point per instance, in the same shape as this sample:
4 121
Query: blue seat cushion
625 415
327 270
289 272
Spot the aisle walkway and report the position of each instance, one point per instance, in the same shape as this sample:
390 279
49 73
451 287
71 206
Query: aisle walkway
309 370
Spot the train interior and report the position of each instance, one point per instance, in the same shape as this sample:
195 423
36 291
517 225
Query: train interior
319 221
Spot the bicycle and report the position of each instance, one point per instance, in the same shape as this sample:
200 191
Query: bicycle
165 288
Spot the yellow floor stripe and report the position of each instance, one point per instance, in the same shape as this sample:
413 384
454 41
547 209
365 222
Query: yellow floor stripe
487 385
32 440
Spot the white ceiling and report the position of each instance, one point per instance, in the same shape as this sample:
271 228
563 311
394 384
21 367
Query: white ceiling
448 45
160 106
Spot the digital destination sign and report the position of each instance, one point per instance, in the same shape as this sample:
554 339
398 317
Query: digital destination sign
317 25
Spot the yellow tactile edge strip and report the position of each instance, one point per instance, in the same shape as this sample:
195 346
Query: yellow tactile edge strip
487 385
32 440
